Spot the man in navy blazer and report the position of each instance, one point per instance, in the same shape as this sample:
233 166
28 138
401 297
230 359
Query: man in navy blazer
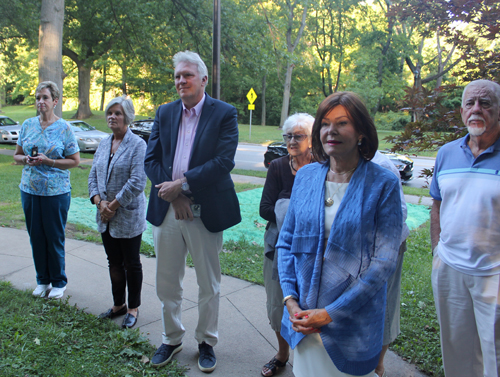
189 158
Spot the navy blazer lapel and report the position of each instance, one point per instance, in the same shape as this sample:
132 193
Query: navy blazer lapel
206 113
175 123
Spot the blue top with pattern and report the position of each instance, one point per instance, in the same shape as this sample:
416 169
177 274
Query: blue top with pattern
56 141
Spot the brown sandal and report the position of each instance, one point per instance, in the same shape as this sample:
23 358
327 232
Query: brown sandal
273 366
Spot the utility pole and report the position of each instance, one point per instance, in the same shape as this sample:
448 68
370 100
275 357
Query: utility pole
216 52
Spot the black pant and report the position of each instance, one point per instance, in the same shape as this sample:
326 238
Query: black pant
125 268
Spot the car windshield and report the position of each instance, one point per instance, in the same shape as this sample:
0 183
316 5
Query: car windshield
81 126
142 124
7 122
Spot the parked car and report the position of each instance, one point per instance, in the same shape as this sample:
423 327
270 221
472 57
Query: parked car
274 151
87 136
9 130
402 163
142 128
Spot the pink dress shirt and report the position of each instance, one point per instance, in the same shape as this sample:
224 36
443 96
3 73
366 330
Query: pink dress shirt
185 138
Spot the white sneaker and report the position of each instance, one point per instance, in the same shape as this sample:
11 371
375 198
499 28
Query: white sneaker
41 290
57 292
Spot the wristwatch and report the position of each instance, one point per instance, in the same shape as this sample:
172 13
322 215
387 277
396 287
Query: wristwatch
185 186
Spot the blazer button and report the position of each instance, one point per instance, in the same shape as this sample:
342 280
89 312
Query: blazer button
170 167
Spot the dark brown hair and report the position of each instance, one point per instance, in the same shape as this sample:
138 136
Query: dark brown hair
361 119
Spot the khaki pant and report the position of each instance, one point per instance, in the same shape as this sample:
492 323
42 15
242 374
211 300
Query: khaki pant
469 317
173 239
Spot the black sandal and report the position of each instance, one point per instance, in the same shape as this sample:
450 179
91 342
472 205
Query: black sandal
273 366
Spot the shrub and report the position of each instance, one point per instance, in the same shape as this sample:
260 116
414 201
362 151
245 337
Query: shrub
391 120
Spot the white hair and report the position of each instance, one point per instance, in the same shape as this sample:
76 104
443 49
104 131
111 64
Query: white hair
193 58
127 105
493 86
303 120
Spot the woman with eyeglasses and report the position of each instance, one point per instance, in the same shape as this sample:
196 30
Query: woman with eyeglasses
338 246
273 205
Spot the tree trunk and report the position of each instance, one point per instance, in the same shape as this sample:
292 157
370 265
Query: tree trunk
124 78
50 46
103 94
339 71
263 95
2 96
286 94
83 111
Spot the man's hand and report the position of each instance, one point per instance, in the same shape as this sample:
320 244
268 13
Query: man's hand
169 190
182 208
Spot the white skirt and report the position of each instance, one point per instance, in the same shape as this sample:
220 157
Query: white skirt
311 359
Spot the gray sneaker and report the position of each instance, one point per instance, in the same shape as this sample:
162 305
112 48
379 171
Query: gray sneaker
207 361
164 354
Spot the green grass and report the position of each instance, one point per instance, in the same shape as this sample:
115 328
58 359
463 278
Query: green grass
416 191
419 339
51 338
241 259
252 173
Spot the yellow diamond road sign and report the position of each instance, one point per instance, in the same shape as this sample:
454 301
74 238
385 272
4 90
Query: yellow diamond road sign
251 96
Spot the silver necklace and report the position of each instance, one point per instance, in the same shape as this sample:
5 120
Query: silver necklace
329 200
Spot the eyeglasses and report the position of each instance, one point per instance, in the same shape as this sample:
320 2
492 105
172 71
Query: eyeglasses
298 138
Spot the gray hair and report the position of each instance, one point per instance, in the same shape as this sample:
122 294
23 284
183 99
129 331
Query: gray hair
127 105
495 88
303 120
193 58
51 86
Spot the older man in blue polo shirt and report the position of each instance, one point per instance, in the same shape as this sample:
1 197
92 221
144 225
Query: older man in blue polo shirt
465 235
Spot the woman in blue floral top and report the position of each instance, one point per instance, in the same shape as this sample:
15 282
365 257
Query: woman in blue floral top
47 148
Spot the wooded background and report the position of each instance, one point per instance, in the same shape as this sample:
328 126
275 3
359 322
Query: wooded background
414 55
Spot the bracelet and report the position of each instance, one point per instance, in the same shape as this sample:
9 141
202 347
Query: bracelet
288 298
99 204
53 162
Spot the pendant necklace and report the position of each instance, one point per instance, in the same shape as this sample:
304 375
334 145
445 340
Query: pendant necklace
329 200
291 163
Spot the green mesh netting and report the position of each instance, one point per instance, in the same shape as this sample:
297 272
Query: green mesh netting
252 226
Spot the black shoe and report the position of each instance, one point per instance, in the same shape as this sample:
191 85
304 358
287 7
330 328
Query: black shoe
129 320
164 354
207 360
110 314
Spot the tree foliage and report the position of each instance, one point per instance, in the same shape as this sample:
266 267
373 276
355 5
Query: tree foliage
440 122
311 48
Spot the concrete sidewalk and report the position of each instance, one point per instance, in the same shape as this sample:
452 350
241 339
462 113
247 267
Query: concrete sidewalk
246 339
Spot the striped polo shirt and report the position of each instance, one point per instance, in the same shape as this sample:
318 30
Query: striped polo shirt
469 191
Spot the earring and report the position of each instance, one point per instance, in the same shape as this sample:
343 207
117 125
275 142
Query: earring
359 142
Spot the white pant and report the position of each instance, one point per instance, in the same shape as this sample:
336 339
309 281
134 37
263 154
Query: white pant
311 359
173 239
469 316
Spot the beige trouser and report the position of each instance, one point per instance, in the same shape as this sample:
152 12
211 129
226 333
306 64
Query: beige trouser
173 239
469 318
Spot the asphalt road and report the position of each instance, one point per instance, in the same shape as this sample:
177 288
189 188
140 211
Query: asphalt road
251 157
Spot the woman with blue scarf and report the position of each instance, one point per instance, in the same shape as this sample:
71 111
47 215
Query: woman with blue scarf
338 246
